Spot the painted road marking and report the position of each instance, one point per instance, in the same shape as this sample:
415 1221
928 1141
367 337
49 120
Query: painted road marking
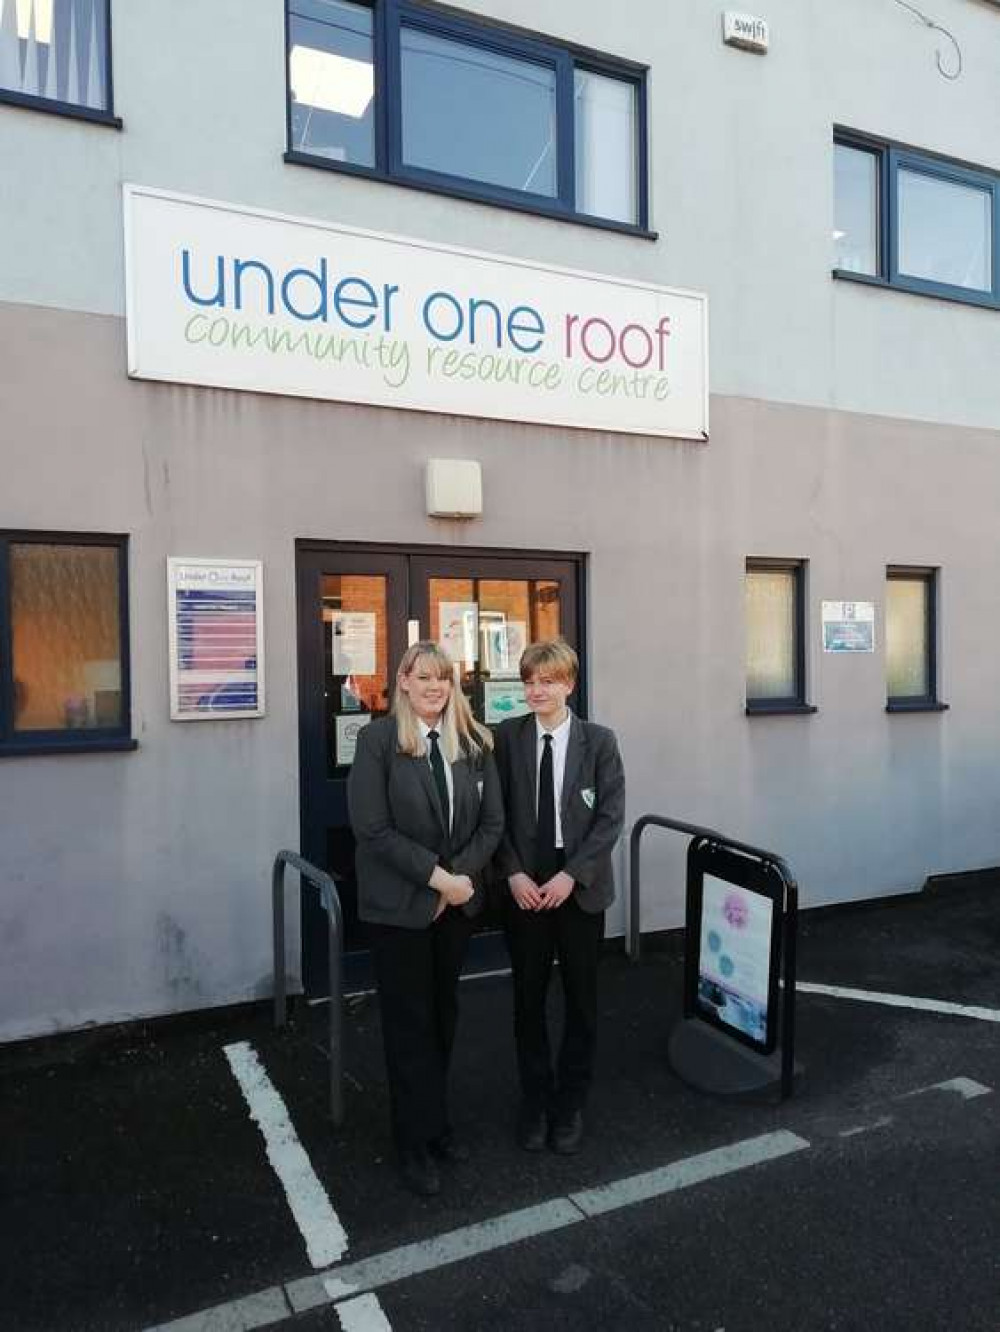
967 1088
683 1174
344 1283
902 1001
883 1121
325 1237
363 1315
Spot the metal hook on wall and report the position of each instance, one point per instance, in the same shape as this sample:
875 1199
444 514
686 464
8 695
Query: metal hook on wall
951 75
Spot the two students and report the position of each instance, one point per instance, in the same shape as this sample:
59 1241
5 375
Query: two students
426 809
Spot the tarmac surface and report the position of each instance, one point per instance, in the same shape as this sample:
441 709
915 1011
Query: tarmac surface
136 1190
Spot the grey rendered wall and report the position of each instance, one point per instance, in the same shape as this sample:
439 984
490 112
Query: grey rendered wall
850 427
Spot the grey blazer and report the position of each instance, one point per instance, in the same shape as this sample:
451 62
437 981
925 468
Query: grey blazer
592 807
400 831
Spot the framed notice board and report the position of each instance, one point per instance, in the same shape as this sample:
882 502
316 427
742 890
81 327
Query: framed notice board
733 944
216 636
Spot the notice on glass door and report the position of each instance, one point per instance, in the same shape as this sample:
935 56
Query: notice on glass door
216 636
354 642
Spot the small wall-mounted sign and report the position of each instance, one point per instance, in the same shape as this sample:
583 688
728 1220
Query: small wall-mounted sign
848 626
216 635
746 31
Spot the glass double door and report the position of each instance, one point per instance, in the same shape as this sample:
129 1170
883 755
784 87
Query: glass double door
358 608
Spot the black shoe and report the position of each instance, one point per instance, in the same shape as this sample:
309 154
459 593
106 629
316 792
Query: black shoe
449 1149
532 1127
419 1173
567 1133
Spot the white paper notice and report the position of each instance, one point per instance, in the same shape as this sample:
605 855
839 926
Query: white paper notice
353 643
349 727
458 631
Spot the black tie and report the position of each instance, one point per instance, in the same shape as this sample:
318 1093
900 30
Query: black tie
440 781
546 815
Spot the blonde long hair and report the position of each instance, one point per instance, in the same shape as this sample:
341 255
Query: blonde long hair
461 734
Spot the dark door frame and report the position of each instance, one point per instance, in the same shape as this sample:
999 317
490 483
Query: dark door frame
376 557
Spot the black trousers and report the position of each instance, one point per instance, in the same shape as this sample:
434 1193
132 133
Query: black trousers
417 974
536 939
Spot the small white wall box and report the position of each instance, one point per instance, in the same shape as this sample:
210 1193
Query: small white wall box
454 488
746 31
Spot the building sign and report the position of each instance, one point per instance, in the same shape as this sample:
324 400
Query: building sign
848 626
235 298
216 639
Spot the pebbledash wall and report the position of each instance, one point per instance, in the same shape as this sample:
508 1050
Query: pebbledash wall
850 426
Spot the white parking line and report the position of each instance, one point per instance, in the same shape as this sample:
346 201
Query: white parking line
967 1088
325 1237
343 1285
902 1001
362 1315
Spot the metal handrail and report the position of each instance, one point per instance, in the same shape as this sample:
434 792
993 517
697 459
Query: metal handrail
791 916
335 919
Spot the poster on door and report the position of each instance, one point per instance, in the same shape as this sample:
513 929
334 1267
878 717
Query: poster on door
734 956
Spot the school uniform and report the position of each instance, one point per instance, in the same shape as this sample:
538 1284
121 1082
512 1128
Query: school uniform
403 830
578 836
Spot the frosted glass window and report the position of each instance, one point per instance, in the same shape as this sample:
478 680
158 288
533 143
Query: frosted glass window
331 80
907 646
856 209
606 120
772 629
56 50
474 113
65 637
945 231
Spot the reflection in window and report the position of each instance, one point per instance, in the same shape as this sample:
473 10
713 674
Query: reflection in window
331 76
772 596
855 227
471 112
945 231
66 637
56 50
908 658
606 123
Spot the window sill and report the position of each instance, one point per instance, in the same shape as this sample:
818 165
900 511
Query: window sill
981 300
67 109
470 194
918 705
780 709
37 749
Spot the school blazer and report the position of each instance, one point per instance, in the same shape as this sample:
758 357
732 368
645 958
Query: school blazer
400 831
592 807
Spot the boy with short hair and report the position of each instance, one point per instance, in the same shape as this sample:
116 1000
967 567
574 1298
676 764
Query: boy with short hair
564 793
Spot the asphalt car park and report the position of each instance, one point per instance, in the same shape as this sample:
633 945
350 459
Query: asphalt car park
185 1173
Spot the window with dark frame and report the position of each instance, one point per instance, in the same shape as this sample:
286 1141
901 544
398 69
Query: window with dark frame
64 645
410 94
775 643
55 55
915 221
910 639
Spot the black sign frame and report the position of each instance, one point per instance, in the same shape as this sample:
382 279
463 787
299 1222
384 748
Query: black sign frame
755 876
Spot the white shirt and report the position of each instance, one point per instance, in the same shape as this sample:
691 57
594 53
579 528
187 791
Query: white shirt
425 731
560 744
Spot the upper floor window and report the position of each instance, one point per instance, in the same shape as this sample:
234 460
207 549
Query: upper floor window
905 219
414 95
55 55
64 673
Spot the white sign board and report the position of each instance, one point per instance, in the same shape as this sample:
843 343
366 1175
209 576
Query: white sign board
348 729
216 636
848 626
354 643
746 31
236 298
